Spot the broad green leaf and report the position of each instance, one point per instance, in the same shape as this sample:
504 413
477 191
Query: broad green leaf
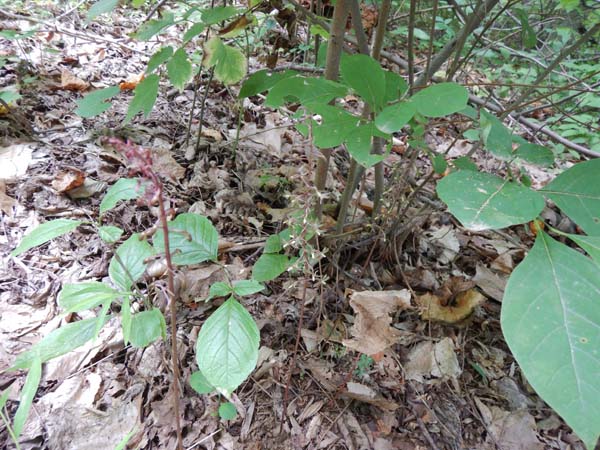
366 77
496 137
218 14
576 191
124 189
464 163
109 233
481 201
269 266
27 393
101 7
227 411
95 103
44 233
219 289
81 296
439 163
308 91
591 244
193 239
161 56
242 288
132 254
229 63
227 346
551 322
274 244
336 125
535 154
179 69
528 36
58 342
441 99
9 96
200 384
144 97
154 26
192 32
395 86
4 398
394 117
263 80
146 327
359 145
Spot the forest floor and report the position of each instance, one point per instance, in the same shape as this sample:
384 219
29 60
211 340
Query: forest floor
443 384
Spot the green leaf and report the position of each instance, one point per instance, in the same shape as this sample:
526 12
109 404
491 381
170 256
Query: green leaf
227 411
481 201
359 145
496 137
109 233
9 96
81 296
146 327
227 346
229 63
395 86
192 32
528 36
242 288
179 69
193 239
551 322
576 191
26 399
154 26
124 189
219 289
95 103
44 233
535 154
200 384
591 244
308 91
132 254
144 97
101 7
464 163
274 244
366 77
269 266
161 56
441 99
336 125
394 117
218 14
263 80
58 342
439 163
126 319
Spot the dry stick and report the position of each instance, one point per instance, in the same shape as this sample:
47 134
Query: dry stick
558 102
561 56
211 72
431 35
442 56
359 30
411 42
334 54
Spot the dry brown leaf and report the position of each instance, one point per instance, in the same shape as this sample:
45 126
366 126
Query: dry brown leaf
6 202
14 160
164 164
514 430
365 394
432 360
68 179
70 82
131 83
89 188
433 308
212 134
372 331
490 283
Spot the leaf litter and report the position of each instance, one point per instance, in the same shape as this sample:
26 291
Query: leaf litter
427 350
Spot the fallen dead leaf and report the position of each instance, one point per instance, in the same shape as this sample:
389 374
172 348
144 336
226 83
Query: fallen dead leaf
489 282
131 83
88 189
164 164
365 394
432 360
433 307
14 160
371 330
67 179
6 202
69 82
